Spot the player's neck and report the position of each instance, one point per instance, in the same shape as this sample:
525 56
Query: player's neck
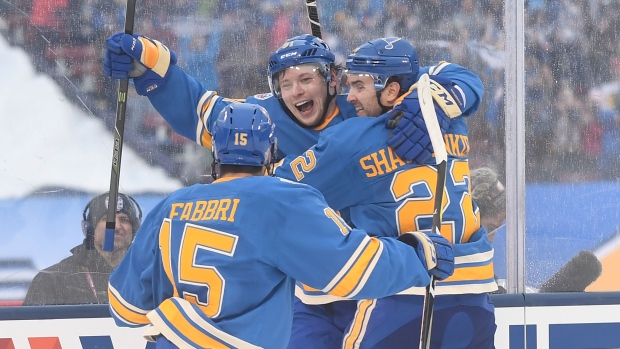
233 175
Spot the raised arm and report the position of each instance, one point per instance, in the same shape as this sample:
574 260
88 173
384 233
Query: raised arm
181 99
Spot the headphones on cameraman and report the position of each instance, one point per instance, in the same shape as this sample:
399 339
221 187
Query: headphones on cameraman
88 227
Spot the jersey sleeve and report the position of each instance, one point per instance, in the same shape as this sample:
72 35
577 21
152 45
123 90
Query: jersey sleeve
188 107
130 288
316 247
473 267
468 82
323 167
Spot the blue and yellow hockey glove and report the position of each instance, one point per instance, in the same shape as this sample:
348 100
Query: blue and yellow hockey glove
138 57
410 140
434 251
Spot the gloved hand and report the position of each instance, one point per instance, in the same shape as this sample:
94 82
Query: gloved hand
138 57
410 139
434 251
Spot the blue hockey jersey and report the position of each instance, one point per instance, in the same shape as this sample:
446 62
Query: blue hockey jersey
213 266
190 109
355 169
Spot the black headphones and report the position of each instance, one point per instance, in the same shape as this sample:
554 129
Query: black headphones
88 226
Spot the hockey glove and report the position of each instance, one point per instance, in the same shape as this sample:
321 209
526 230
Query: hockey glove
138 57
434 251
410 139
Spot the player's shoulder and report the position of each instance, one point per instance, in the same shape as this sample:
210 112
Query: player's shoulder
277 183
354 128
267 100
442 67
267 190
261 97
347 110
283 189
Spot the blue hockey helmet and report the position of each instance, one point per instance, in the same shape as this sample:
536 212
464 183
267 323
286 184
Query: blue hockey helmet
384 58
302 49
243 134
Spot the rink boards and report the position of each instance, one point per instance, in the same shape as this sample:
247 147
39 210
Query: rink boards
532 321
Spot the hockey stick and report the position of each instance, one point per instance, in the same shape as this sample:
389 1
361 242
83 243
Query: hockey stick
313 17
441 158
119 130
576 275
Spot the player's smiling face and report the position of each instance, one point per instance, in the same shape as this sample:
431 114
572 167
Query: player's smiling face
304 92
362 94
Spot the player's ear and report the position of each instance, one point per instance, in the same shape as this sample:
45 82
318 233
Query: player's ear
334 74
390 93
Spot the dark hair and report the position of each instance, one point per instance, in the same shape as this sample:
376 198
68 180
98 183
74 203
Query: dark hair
487 193
254 170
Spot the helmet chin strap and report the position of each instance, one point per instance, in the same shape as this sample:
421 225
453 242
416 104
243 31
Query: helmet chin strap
213 168
384 109
329 99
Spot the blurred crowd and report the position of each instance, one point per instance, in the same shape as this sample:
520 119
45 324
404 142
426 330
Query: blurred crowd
572 65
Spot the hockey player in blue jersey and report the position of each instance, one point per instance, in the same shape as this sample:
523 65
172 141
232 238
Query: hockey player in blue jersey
302 78
353 166
213 266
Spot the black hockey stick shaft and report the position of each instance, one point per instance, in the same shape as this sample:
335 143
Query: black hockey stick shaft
441 158
119 130
313 16
576 275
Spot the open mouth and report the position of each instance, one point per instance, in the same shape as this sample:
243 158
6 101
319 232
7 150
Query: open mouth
304 106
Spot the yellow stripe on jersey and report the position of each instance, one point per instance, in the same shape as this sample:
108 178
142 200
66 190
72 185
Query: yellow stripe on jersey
206 140
482 272
327 120
205 106
185 319
467 278
177 318
308 288
164 246
125 311
356 332
352 277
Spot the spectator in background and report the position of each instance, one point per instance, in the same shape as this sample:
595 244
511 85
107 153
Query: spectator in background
488 193
557 41
83 277
200 50
282 27
591 137
47 17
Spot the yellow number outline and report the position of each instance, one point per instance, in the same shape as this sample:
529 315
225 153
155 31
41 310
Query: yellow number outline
197 238
413 209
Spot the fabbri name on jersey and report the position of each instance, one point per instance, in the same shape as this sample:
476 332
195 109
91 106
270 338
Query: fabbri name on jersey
203 210
385 161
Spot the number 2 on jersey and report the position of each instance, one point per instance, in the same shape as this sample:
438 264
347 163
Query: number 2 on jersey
415 208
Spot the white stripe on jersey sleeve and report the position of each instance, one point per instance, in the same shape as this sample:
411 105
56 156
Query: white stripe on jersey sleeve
204 117
348 265
371 267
